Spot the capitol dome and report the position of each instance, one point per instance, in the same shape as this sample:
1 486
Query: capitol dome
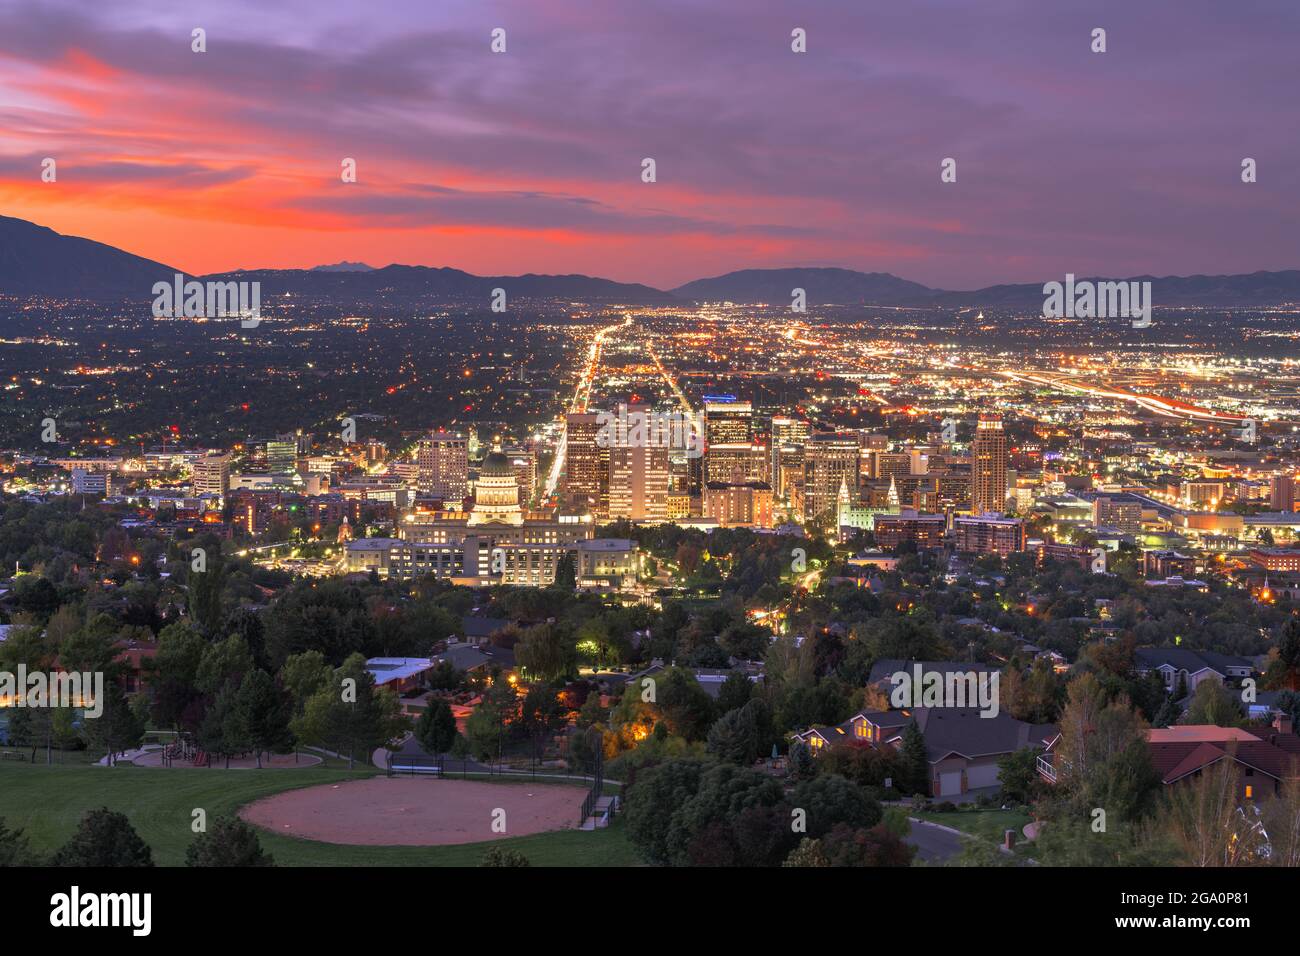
496 465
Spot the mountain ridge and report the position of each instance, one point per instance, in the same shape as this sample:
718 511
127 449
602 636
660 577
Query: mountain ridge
37 261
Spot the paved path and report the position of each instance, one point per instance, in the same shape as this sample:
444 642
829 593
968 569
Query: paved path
934 843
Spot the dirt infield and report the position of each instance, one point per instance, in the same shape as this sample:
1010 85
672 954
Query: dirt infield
416 811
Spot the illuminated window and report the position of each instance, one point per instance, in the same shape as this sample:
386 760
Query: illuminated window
1250 792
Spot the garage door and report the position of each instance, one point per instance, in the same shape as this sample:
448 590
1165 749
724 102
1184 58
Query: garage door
950 784
982 776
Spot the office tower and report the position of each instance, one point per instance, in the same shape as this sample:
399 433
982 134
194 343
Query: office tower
524 463
989 466
789 431
727 421
586 463
787 472
1281 493
442 462
926 531
920 461
830 460
1119 511
886 464
738 504
281 456
638 471
302 441
212 474
736 462
989 535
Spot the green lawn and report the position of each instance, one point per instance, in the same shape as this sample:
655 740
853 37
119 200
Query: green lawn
985 824
47 803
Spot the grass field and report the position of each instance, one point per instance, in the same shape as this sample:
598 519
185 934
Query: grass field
985 824
48 802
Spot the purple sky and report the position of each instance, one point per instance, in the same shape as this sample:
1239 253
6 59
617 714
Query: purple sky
1120 163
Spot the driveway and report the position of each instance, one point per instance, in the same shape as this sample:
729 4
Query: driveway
933 843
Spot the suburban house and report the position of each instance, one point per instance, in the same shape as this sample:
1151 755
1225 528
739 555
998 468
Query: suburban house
963 747
1193 666
1265 758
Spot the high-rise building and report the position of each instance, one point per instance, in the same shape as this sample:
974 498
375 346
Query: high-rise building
1117 511
989 534
282 455
738 504
736 462
727 420
442 462
586 463
830 460
1281 493
789 431
524 463
638 472
212 474
989 466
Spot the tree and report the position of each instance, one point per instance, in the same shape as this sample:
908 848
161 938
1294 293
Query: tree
436 729
14 849
104 838
807 854
350 715
547 652
829 800
174 679
225 662
801 762
734 737
1212 703
915 761
263 710
566 578
304 675
229 842
1281 819
205 591
846 845
503 856
118 727
1018 773
653 799
225 731
1205 822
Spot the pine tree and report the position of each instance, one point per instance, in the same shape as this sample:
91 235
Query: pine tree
263 710
915 761
104 838
436 728
229 842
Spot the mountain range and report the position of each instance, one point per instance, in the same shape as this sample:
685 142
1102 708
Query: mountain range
37 261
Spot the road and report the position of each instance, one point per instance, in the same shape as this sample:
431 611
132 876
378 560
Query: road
933 843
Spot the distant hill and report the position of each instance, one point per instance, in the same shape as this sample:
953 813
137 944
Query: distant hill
1236 291
398 283
35 260
822 287
38 261
344 266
